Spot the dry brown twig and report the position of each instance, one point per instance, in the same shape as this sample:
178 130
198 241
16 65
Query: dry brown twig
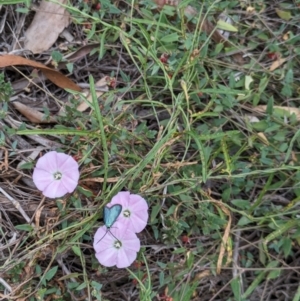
17 205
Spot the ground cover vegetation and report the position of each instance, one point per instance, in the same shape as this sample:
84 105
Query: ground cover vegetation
192 105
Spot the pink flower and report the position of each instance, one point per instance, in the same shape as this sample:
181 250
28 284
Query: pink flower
56 174
120 250
134 215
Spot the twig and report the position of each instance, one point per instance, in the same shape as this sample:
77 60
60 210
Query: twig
5 284
236 254
17 206
65 269
235 272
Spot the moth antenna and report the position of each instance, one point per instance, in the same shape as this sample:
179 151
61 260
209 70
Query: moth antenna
102 236
105 234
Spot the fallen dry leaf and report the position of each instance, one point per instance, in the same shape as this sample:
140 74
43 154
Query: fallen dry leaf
73 57
78 54
49 21
85 104
32 115
101 180
202 275
263 138
55 76
250 9
286 36
225 239
277 64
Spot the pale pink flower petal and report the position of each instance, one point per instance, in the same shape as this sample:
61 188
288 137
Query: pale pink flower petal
107 257
41 178
118 248
54 189
56 174
48 162
134 215
125 259
103 235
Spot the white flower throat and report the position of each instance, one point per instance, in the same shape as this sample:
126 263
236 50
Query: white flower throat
126 213
57 175
117 244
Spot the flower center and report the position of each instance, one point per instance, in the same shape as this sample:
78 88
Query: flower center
117 244
57 175
126 213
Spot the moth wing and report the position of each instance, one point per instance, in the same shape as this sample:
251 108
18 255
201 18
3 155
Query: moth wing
117 209
106 214
111 214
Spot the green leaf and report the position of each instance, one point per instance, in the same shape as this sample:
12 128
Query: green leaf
218 49
190 260
3 2
260 126
81 286
236 288
173 37
289 77
243 204
27 165
256 98
284 15
56 56
96 285
76 250
248 81
274 274
262 254
287 246
70 67
161 278
263 84
287 90
154 212
38 269
51 273
168 10
84 191
23 10
270 105
226 26
24 227
244 221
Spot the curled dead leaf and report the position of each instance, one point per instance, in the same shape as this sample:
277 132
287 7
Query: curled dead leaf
33 115
55 76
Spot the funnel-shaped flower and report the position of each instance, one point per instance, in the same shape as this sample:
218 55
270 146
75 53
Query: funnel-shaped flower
134 215
116 246
56 174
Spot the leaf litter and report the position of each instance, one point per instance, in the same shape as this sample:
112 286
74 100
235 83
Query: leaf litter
48 22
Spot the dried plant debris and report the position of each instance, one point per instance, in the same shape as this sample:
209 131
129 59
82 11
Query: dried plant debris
49 21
